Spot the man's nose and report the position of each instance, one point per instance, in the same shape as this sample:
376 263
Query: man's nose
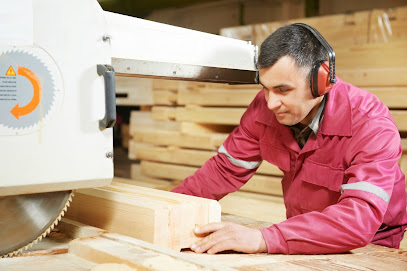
273 102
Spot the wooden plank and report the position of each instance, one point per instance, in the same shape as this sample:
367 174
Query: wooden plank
160 217
193 128
375 55
218 96
133 91
116 248
165 84
165 97
403 165
392 97
264 184
135 254
144 120
144 181
375 77
388 25
404 144
256 206
125 133
66 262
189 157
170 154
400 117
357 28
163 113
213 115
174 138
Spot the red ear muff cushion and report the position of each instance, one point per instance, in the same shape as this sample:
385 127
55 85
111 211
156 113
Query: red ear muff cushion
320 79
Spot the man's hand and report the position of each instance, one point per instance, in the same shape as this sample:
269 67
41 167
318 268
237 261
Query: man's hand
229 236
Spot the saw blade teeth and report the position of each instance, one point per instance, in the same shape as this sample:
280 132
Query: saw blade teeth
44 234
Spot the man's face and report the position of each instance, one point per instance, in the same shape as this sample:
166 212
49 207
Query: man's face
288 92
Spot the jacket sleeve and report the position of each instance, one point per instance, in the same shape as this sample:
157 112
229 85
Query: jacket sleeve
235 163
353 221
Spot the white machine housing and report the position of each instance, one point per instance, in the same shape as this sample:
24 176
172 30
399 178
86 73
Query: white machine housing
65 148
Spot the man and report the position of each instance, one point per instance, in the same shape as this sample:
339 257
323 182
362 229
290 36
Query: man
342 186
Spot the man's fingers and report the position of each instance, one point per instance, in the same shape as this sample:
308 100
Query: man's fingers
208 228
221 246
207 243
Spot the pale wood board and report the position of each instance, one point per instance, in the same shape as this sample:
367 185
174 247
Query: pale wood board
189 157
138 179
374 77
175 138
264 184
375 55
355 28
138 91
159 217
256 206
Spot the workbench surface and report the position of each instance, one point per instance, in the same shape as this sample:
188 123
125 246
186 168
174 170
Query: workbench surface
74 246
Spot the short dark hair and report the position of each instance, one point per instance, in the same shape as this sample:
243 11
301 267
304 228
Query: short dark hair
295 41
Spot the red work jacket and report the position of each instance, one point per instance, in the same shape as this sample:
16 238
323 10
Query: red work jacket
343 190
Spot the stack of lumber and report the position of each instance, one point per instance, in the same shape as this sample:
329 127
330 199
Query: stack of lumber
357 28
159 217
189 120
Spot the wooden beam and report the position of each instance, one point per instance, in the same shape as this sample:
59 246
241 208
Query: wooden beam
403 164
194 128
144 181
375 55
264 184
392 97
189 157
400 117
256 206
375 77
174 138
213 115
163 113
133 91
218 96
160 217
164 97
112 251
404 144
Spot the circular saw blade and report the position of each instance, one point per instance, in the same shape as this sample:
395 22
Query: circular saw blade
26 219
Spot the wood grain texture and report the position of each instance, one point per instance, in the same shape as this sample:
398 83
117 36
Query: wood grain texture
160 217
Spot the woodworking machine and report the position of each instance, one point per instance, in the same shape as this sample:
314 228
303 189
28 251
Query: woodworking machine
58 62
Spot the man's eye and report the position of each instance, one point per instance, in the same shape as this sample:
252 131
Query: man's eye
283 90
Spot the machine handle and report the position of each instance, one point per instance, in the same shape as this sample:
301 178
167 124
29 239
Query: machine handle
108 73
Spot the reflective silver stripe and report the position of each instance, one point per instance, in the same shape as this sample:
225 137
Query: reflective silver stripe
239 163
367 187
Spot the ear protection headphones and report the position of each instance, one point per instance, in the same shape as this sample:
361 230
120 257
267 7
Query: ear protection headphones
322 73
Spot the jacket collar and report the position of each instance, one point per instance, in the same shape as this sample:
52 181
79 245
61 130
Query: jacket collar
337 116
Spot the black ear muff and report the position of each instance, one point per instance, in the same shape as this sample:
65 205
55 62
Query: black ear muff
322 73
320 83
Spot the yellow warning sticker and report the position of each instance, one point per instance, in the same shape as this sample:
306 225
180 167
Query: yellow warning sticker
11 71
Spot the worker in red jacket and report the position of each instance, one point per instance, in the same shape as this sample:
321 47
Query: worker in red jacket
337 145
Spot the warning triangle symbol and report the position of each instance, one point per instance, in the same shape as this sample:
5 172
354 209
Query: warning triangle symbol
11 72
